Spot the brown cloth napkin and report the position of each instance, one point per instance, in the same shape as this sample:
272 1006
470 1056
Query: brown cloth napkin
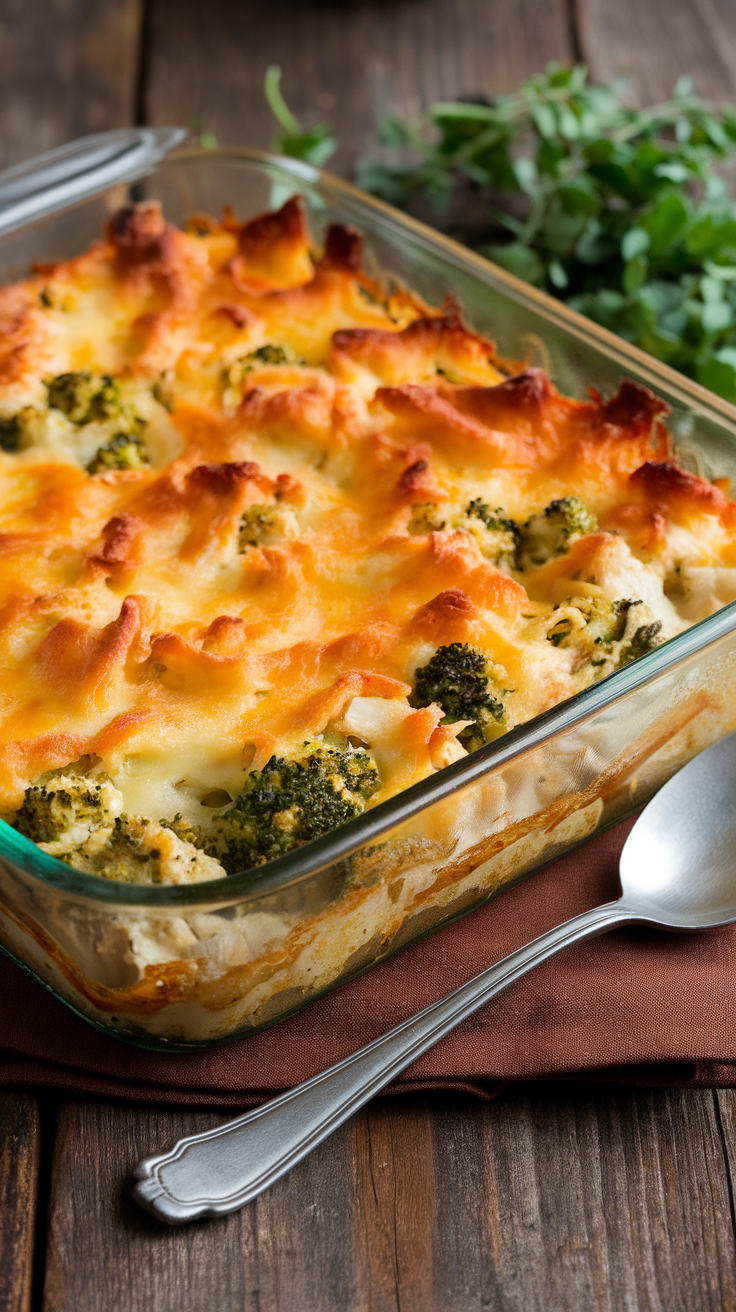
637 1005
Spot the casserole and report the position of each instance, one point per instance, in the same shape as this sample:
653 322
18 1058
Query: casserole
192 964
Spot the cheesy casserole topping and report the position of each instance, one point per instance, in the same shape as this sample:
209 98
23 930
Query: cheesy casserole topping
278 542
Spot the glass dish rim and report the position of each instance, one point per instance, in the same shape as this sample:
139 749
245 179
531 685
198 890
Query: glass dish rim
303 862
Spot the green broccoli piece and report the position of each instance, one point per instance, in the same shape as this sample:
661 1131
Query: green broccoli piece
136 850
264 525
84 397
123 451
292 800
187 832
456 679
644 639
11 433
552 531
425 518
14 431
65 807
610 637
123 857
605 623
162 390
258 523
497 536
235 374
270 354
81 823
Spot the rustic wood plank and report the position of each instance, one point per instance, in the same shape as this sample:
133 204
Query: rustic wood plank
19 1153
547 1198
67 68
288 1250
655 42
576 1199
347 62
394 1207
725 1108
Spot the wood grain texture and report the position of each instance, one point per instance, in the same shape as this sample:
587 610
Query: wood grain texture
655 42
19 1153
346 62
617 1201
548 1198
394 1220
289 1250
67 68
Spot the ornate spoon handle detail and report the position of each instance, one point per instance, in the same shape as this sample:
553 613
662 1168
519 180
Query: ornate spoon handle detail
219 1171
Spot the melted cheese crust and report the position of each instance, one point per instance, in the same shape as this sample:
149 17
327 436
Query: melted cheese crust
142 628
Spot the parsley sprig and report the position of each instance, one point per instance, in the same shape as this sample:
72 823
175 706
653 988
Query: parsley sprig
624 213
315 145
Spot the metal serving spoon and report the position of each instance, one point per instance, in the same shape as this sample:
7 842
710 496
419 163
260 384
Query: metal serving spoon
678 872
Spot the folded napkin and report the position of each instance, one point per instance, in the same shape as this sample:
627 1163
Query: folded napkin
636 1005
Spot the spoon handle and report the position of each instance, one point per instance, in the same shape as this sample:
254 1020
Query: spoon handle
222 1169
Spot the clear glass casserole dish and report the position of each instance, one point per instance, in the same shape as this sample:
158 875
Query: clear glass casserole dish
185 966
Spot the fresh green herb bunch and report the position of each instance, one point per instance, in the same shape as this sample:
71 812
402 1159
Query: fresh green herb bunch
623 213
618 211
456 679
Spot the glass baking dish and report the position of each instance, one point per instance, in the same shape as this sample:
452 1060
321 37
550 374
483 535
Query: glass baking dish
183 967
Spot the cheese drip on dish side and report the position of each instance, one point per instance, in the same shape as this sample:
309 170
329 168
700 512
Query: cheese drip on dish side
277 543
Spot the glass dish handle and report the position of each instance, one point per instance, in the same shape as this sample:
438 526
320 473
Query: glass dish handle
220 1170
80 169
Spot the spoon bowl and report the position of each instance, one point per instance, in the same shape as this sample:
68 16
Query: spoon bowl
678 865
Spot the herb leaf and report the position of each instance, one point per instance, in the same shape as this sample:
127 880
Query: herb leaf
621 212
315 145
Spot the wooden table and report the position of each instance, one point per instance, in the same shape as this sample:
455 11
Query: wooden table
552 1197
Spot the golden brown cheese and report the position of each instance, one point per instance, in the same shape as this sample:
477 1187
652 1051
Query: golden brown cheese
298 544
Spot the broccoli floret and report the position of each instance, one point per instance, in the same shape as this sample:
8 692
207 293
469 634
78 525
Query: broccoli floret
162 390
497 536
270 354
605 622
187 832
292 800
644 639
14 431
81 823
84 397
425 518
456 679
123 451
265 525
11 433
66 810
139 851
552 531
123 857
605 633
